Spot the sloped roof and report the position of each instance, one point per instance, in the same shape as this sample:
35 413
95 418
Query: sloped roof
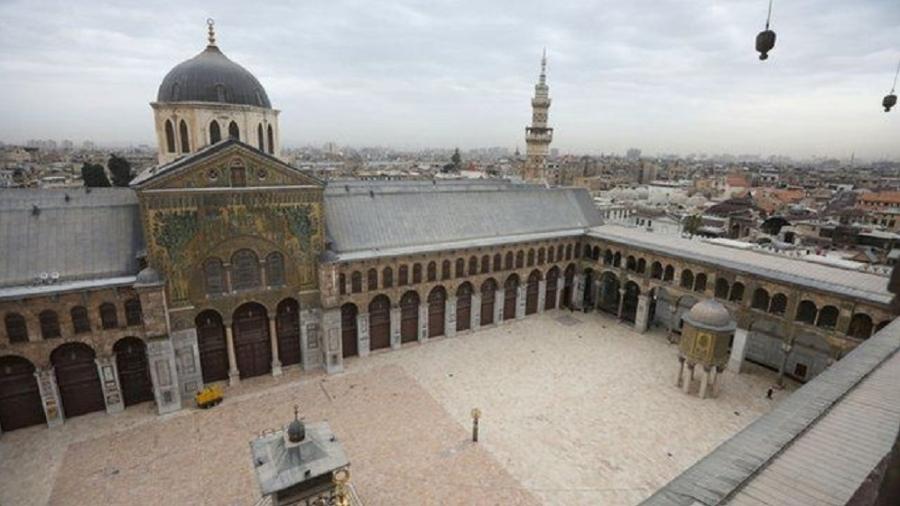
378 218
79 233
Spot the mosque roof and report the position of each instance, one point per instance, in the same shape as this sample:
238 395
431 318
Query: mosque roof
78 233
861 285
368 219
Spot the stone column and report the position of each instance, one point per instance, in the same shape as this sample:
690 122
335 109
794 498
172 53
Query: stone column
362 334
53 410
621 303
680 379
475 320
109 382
688 378
521 294
738 350
273 339
163 371
423 321
704 381
642 318
331 328
542 295
713 381
450 317
786 351
499 297
560 290
577 301
395 328
234 375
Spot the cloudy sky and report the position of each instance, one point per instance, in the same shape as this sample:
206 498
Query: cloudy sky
676 76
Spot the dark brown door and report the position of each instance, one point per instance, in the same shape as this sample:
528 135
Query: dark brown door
252 347
409 317
550 292
436 312
349 341
531 295
566 301
134 371
77 379
20 399
287 326
213 349
488 291
510 289
380 323
464 307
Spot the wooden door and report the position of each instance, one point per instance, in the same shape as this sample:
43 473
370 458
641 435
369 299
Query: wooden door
511 289
436 312
550 291
409 318
380 323
252 347
349 340
531 295
213 349
287 327
464 307
487 304
20 399
77 379
134 371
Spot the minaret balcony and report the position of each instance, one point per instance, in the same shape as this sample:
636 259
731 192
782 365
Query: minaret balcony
536 134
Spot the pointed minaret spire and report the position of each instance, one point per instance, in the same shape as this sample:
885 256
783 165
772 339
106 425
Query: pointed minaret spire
544 66
538 135
211 30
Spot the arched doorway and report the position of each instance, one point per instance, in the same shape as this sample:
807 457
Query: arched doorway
134 370
464 307
488 294
287 328
20 399
588 299
630 303
252 347
380 323
510 292
609 293
409 317
568 282
531 292
77 379
437 300
349 340
550 290
213 349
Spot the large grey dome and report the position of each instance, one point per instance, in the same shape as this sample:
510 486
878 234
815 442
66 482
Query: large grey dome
212 77
710 314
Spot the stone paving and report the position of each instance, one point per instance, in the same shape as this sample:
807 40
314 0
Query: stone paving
581 412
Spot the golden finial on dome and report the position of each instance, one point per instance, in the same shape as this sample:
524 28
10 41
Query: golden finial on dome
211 24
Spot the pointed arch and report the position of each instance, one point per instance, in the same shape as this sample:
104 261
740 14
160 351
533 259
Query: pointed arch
215 134
233 131
260 139
271 140
170 137
184 137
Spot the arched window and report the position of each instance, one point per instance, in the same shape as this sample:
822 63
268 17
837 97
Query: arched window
49 324
473 266
387 277
170 137
372 281
432 271
721 289
596 253
80 321
16 329
828 317
498 262
530 260
245 270
617 259
669 274
403 276
578 250
133 313
275 269
417 273
485 264
779 304
260 139
700 283
737 292
656 270
184 137
550 255
641 266
460 267
215 135
356 282
687 279
238 177
233 131
342 284
215 276
608 257
520 259
271 140
542 256
860 326
630 263
568 252
760 299
445 269
108 317
806 312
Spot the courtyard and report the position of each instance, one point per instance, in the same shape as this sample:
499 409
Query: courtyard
577 409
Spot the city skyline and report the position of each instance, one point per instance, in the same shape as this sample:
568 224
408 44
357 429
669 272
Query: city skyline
666 78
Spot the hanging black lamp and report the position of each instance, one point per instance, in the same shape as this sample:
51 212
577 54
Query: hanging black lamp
765 40
890 100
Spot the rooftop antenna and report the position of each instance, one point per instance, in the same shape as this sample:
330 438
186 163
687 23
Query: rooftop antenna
211 30
890 100
765 40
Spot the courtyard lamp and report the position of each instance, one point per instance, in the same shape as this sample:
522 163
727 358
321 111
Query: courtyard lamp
890 100
765 40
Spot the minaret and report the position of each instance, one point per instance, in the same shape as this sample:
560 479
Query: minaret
538 136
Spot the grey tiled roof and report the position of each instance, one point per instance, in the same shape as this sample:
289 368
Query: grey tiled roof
861 285
816 447
367 218
92 235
